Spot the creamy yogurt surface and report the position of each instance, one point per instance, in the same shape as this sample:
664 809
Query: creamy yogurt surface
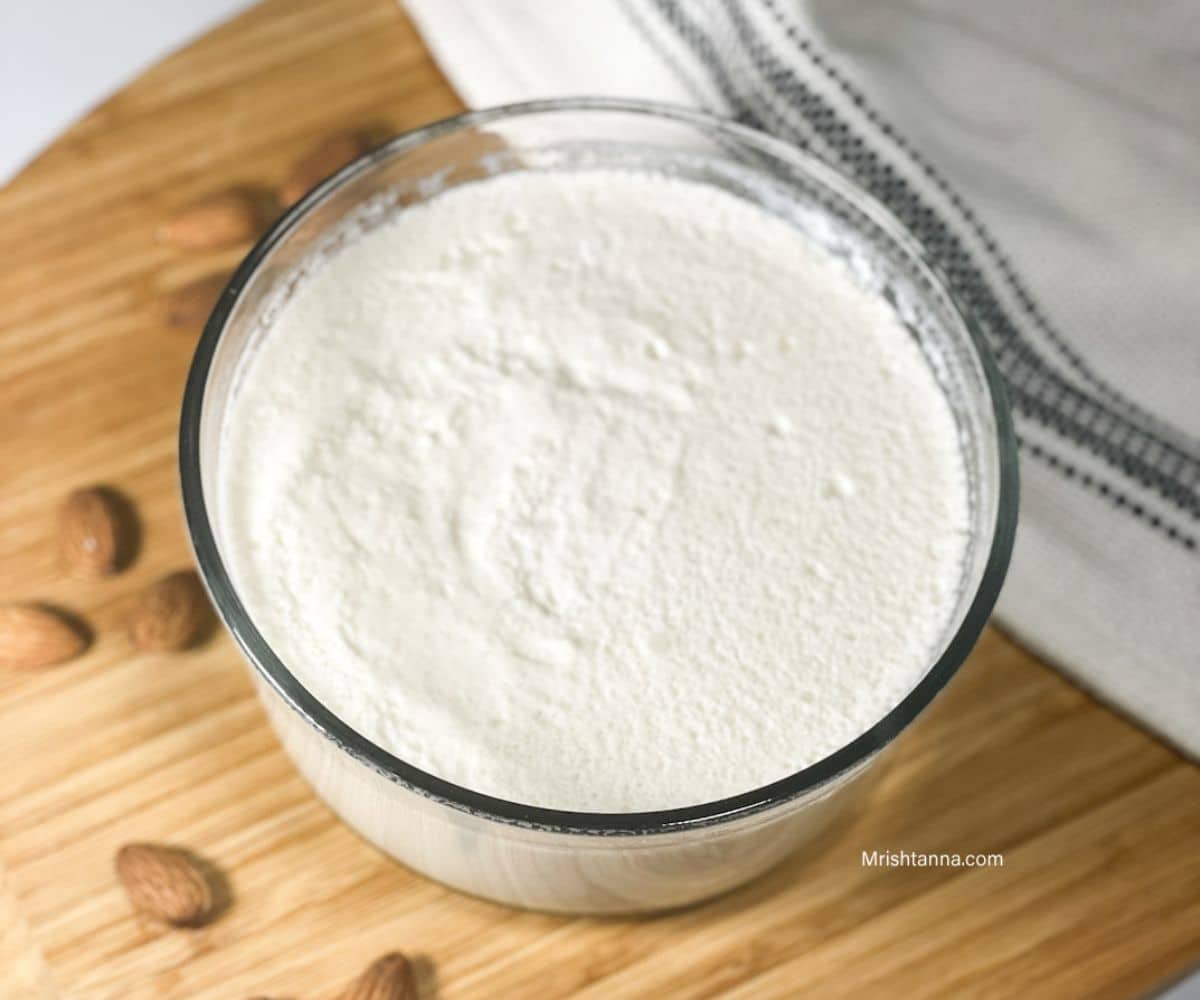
594 490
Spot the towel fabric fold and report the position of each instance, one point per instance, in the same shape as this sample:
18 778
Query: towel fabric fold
1048 157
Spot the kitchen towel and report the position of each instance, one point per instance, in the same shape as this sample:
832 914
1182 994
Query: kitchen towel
1048 156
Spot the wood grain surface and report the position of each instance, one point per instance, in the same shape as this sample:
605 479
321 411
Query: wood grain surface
1099 895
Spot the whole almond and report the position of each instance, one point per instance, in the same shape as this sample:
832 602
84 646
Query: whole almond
164 883
34 636
188 308
320 161
89 533
220 220
387 978
170 613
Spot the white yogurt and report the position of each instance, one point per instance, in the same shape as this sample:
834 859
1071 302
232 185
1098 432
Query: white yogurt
595 490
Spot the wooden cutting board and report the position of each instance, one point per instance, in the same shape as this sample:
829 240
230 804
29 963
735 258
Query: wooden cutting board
1099 895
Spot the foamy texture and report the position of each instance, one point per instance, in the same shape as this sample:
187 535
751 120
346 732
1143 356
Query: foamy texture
595 490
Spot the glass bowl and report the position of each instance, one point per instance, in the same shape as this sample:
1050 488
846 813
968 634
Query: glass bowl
546 858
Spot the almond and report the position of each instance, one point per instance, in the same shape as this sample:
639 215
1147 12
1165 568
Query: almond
320 161
387 978
89 533
34 636
188 308
220 220
170 613
165 883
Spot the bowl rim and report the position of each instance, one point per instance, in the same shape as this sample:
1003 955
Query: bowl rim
272 670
